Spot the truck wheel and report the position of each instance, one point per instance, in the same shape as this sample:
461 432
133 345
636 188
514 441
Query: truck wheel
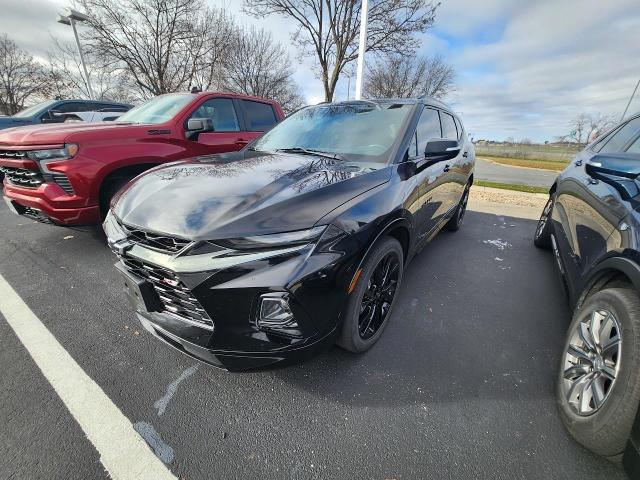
109 189
598 388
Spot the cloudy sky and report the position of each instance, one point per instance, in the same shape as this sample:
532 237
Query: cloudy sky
524 68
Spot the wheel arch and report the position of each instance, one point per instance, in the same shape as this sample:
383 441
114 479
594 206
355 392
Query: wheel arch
126 171
611 271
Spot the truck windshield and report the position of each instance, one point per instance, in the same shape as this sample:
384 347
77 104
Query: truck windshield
31 111
360 131
157 110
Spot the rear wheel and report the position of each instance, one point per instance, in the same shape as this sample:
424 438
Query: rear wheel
598 388
455 222
542 238
371 302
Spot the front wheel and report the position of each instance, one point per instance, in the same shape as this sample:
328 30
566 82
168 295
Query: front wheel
598 388
542 238
372 300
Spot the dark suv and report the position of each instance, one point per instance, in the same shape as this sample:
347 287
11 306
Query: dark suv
275 252
592 223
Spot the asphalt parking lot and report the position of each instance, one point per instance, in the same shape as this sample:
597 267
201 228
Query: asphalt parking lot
459 386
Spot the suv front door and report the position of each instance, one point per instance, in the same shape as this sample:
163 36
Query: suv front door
227 135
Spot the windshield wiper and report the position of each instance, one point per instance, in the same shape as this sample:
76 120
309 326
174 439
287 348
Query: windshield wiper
306 151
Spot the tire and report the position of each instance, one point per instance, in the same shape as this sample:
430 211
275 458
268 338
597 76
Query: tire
542 237
455 222
112 187
604 429
351 338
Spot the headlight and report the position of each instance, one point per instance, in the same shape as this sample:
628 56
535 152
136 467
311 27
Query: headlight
298 237
64 153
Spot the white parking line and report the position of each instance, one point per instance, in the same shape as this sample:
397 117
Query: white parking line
123 452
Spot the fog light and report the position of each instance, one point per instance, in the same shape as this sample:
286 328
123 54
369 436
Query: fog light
275 311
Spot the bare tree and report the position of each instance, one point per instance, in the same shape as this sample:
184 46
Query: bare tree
400 76
586 127
67 78
156 41
268 73
21 77
329 29
220 31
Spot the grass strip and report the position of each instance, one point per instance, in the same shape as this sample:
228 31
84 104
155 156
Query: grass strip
511 186
554 165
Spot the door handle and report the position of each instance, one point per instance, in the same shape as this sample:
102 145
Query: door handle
465 154
446 168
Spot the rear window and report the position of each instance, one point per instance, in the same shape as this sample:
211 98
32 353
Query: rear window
449 130
259 116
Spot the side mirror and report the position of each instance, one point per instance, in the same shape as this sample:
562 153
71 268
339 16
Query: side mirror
196 126
625 165
50 116
438 150
621 170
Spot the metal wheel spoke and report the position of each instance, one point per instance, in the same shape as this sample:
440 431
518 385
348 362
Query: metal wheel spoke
576 371
609 372
368 319
593 328
580 353
586 336
576 394
597 390
610 345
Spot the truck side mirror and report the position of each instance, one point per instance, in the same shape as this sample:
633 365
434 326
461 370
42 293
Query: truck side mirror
196 126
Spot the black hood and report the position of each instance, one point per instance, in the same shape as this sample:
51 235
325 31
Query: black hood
245 193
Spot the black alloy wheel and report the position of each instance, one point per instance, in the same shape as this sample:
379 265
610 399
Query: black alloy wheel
455 222
378 296
542 238
371 301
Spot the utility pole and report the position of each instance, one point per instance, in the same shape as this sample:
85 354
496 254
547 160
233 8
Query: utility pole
70 17
362 47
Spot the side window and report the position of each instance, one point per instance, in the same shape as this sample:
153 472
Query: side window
74 107
428 128
222 112
259 116
449 129
412 151
620 138
459 127
635 146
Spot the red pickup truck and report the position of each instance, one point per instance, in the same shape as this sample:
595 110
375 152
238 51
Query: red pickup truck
67 173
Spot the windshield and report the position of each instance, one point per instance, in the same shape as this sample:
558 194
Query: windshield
31 111
157 110
354 131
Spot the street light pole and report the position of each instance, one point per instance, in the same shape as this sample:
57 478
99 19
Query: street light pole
362 47
70 17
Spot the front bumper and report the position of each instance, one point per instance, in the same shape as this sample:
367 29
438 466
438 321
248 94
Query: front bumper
228 289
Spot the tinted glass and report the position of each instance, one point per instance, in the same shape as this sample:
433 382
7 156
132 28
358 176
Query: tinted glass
29 112
412 151
157 110
448 127
259 116
358 131
459 127
428 128
635 146
619 139
221 111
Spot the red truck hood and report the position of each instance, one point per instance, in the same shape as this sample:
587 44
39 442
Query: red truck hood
59 133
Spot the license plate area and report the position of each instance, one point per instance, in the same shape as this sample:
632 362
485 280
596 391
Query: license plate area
140 292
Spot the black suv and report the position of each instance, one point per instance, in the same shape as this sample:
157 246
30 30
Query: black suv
269 254
591 222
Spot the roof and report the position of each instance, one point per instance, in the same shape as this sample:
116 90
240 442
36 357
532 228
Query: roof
407 101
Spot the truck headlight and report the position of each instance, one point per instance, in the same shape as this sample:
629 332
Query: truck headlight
64 153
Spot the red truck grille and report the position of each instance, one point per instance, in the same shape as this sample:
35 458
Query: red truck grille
13 154
23 177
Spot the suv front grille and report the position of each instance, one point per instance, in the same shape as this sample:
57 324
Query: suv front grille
23 177
162 243
174 295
